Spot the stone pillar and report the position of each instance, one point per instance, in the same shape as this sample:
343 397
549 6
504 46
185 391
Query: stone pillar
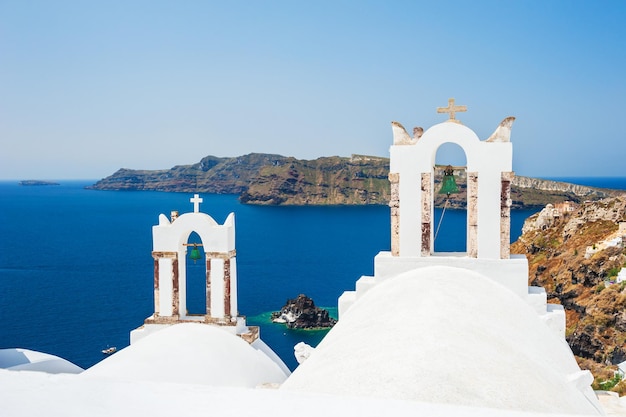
208 284
227 312
427 201
505 215
157 302
175 289
225 285
158 256
394 205
472 214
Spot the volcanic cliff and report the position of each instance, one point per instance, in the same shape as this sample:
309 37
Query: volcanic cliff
576 252
278 180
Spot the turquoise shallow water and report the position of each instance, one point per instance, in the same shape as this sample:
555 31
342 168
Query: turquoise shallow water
283 339
76 265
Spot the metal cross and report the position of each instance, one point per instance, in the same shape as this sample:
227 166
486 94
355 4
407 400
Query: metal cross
451 109
196 200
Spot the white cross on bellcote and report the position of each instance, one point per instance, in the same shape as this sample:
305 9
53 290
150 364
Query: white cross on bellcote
196 200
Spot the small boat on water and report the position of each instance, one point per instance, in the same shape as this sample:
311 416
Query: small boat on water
109 350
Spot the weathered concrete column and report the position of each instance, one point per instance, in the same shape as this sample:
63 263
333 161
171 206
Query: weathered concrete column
427 201
472 214
505 215
394 205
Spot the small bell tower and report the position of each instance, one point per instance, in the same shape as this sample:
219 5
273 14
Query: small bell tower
170 248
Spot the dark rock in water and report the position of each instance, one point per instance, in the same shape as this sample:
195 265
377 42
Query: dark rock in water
301 313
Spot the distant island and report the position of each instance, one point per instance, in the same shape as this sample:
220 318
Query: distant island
37 182
269 179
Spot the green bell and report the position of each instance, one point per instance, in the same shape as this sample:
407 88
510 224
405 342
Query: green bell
448 184
195 254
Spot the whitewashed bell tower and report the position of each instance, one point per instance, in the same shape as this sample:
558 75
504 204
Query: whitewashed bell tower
489 176
169 252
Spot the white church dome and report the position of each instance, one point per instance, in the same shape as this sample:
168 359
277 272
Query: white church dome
193 353
447 335
17 359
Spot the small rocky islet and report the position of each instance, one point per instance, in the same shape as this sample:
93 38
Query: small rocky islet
301 313
37 182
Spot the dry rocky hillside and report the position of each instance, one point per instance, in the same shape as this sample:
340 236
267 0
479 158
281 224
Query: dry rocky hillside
576 252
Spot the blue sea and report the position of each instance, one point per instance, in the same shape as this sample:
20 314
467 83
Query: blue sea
76 267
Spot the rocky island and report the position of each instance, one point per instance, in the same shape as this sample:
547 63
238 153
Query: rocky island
301 313
269 179
37 182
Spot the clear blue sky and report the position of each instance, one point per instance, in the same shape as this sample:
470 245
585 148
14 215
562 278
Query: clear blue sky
89 87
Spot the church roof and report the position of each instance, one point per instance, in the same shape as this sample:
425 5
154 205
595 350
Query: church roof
192 353
17 359
29 394
451 336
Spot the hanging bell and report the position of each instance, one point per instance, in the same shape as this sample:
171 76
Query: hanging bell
195 254
448 184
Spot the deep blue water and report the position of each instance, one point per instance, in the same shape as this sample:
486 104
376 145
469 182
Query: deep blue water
76 265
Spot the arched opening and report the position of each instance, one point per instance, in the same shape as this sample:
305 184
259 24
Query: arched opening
196 276
450 213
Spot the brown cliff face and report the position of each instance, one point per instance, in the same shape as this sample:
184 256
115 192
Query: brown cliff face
211 175
279 180
324 181
574 257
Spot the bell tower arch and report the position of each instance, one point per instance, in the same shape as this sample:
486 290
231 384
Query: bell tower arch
170 248
450 167
489 174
